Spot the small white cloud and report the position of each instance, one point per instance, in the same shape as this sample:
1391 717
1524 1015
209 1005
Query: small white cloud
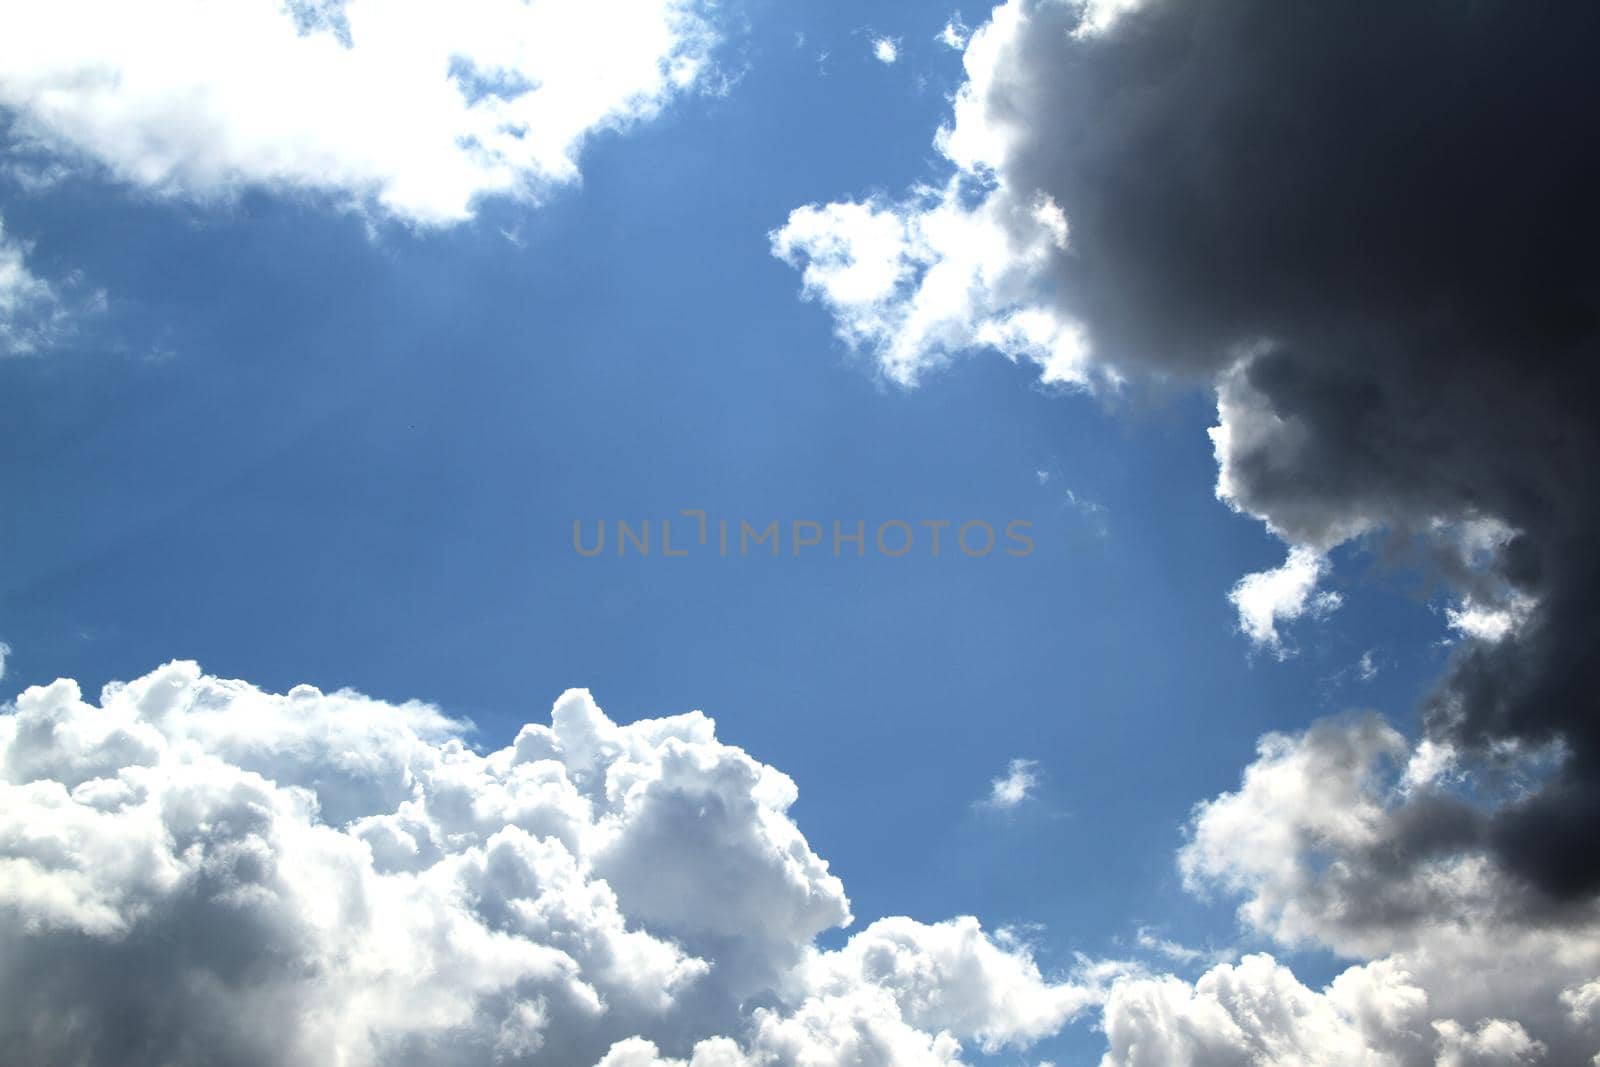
1367 666
5 651
1490 623
1170 949
955 34
886 49
1267 598
1043 476
1013 787
1430 763
35 314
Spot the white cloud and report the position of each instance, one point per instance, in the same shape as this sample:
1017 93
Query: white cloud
415 108
1334 842
1258 1012
1495 1042
1015 786
1490 622
5 653
1582 1002
345 880
1267 598
917 282
1100 15
943 271
886 49
1148 940
955 33
34 314
195 871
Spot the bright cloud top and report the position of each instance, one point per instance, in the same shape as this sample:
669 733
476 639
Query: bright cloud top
196 871
420 109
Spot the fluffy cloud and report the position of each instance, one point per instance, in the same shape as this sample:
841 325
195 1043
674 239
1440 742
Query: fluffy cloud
196 871
1328 841
915 282
1256 1011
415 108
1371 236
1265 598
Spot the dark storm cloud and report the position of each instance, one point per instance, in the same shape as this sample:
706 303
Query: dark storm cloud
1378 223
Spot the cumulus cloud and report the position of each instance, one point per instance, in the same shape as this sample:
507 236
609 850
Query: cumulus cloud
1327 843
886 49
416 109
1257 1011
194 871
1014 786
1371 236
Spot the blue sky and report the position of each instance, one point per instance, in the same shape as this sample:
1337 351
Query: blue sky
300 445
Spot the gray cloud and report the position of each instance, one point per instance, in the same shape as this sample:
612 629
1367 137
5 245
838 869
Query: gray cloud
1372 231
1349 838
1393 212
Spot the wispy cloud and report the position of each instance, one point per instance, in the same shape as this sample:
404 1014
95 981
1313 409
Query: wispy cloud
394 888
1013 787
36 314
955 34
